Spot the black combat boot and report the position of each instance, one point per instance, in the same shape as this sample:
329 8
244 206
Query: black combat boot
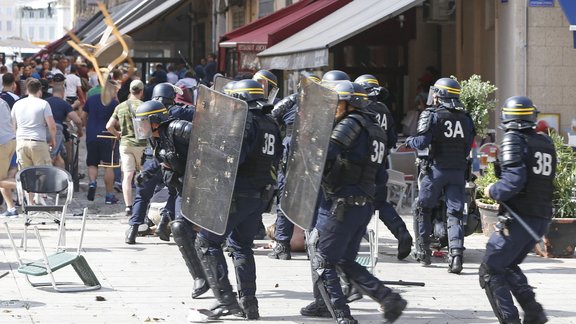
404 243
226 304
162 230
281 251
533 312
423 254
316 309
344 317
184 236
131 234
455 264
392 305
249 306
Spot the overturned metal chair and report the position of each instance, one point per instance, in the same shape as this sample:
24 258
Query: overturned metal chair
39 181
112 49
49 264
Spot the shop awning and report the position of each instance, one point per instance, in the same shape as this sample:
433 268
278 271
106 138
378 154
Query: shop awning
569 8
277 26
17 45
118 14
282 23
145 14
51 47
309 47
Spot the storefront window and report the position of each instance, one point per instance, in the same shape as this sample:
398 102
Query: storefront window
265 7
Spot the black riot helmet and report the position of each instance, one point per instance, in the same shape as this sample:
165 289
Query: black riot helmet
353 93
227 88
331 78
267 79
166 93
447 91
370 84
518 112
248 90
148 113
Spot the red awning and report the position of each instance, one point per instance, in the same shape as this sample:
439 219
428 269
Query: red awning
277 26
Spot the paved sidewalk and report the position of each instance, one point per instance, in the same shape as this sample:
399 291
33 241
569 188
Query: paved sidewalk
148 282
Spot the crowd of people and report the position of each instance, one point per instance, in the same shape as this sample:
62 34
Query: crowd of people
69 100
152 124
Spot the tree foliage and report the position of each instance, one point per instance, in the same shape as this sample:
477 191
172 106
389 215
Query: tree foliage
476 97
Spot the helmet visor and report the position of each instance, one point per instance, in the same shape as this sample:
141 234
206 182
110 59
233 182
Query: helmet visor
142 128
264 82
430 100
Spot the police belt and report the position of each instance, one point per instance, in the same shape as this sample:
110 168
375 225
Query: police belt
354 200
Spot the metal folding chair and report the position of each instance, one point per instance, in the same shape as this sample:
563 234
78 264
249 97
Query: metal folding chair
49 264
370 259
405 162
52 182
397 188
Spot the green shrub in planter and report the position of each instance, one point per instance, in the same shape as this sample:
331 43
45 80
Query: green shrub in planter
483 181
565 181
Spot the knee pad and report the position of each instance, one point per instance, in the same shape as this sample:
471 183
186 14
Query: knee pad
453 221
181 227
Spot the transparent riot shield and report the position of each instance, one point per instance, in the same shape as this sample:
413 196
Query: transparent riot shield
220 82
310 139
213 153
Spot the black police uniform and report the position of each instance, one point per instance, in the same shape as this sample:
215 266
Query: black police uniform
284 113
355 163
449 131
528 167
260 153
151 177
387 213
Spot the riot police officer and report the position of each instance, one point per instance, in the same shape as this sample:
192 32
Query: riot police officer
355 162
449 130
170 138
528 167
151 174
387 213
284 113
253 189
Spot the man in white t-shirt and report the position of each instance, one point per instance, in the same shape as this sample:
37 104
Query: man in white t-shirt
73 89
30 117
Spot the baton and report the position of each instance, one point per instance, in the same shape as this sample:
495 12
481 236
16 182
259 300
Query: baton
403 283
522 222
183 59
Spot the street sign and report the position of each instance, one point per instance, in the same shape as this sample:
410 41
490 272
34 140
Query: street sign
541 3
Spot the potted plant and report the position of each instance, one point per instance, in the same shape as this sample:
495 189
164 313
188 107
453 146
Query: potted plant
561 237
487 206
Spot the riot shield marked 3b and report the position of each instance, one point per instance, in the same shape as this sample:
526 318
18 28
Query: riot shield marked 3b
213 154
310 139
